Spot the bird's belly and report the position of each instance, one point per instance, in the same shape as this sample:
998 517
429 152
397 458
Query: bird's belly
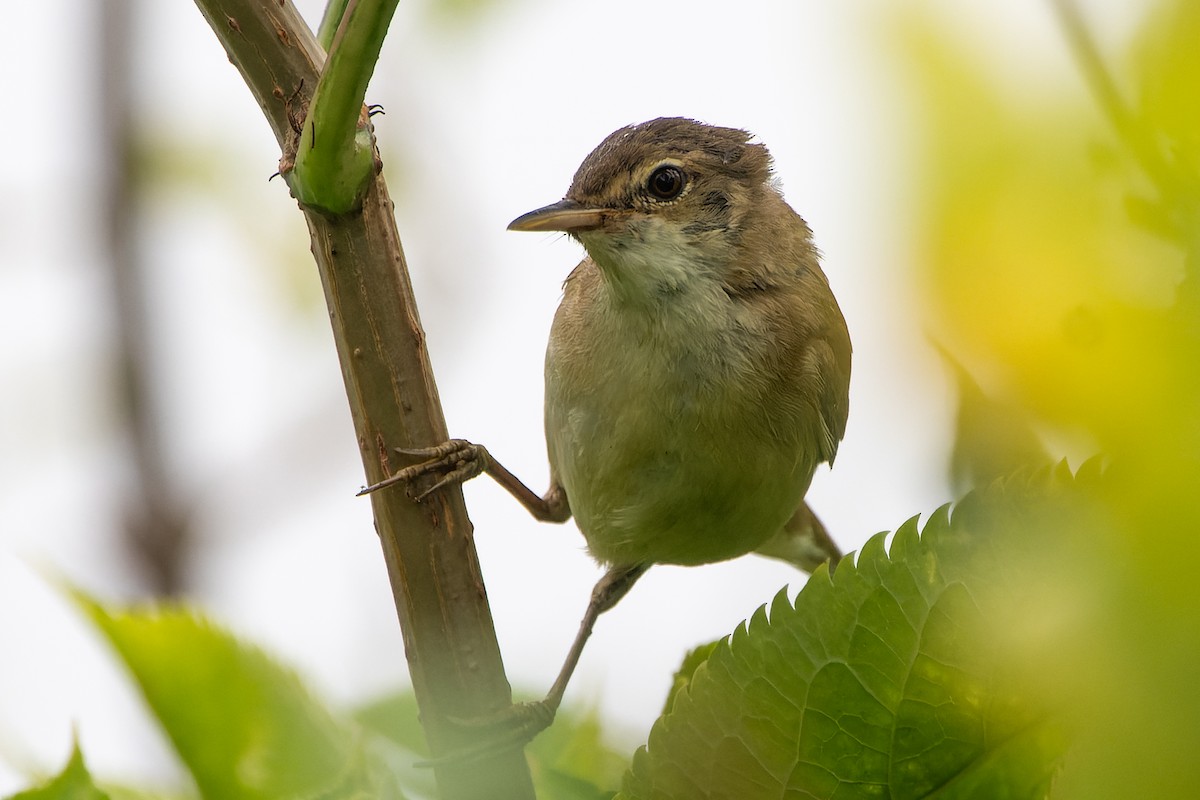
664 473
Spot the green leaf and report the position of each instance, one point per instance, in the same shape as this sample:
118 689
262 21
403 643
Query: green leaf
244 725
73 783
683 675
894 677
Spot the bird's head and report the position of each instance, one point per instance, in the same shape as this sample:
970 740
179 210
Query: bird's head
659 203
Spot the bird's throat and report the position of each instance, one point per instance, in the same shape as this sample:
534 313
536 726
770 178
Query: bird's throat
652 265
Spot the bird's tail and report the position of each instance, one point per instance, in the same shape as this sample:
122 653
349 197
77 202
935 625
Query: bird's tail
804 542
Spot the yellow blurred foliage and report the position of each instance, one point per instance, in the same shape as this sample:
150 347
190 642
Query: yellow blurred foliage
1057 248
1034 269
1165 64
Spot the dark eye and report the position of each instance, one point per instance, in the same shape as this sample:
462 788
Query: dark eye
666 182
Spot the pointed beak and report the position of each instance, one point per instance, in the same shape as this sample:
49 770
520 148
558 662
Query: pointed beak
565 215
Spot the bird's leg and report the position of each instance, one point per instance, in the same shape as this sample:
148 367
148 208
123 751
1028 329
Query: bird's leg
608 591
458 460
515 725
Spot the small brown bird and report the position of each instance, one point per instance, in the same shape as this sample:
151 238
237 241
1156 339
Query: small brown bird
698 367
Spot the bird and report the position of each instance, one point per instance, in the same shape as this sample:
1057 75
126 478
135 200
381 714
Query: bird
697 370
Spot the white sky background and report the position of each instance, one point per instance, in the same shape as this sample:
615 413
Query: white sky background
484 122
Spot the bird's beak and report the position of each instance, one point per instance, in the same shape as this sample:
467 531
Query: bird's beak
565 215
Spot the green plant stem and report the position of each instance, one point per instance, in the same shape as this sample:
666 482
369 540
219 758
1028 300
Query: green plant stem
450 643
330 20
335 157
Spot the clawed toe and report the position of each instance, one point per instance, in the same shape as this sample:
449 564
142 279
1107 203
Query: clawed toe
454 461
528 719
451 447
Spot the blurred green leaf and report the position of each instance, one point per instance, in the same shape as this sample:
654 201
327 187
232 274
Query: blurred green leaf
244 726
991 438
395 717
572 760
895 677
73 783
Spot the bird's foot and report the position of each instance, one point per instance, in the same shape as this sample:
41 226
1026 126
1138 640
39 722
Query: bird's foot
454 461
510 727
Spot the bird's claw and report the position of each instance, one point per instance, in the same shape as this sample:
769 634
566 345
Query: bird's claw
510 727
454 461
528 719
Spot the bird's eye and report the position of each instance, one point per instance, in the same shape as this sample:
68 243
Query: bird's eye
666 182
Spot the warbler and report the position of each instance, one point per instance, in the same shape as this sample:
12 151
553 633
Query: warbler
698 367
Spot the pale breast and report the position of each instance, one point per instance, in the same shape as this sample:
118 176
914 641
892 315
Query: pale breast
660 430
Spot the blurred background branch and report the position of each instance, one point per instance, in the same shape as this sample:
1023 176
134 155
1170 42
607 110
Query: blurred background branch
157 523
